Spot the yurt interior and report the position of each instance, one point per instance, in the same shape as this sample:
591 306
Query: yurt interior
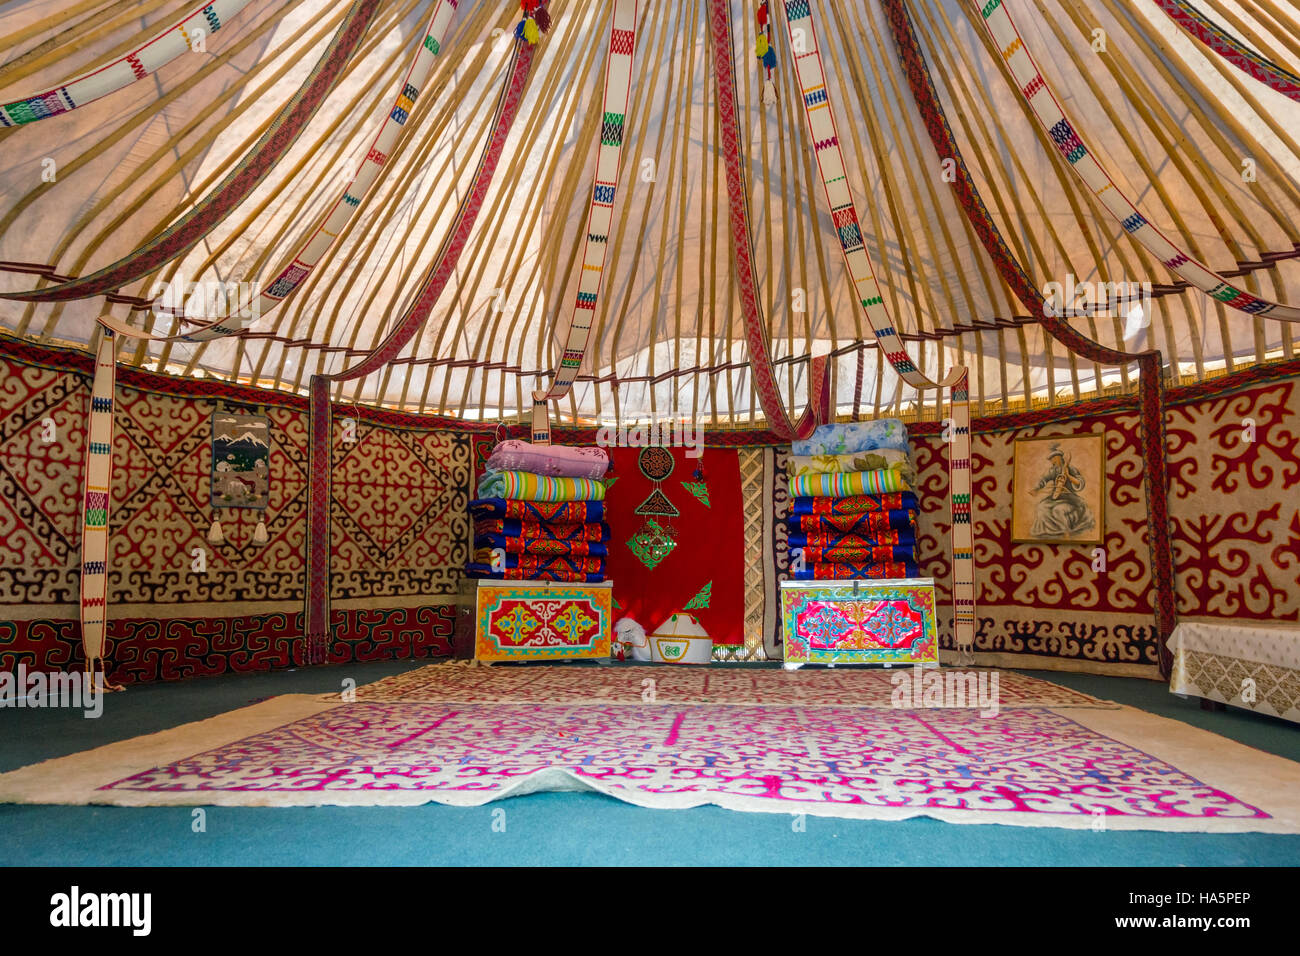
707 432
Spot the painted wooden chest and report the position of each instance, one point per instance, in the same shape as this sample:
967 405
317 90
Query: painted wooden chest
542 621
889 621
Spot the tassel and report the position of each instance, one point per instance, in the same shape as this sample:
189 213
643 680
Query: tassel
259 534
769 93
215 535
769 59
762 15
762 46
532 33
543 19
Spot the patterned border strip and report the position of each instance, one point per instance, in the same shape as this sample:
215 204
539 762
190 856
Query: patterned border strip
1035 91
96 493
125 70
1151 383
818 111
222 200
742 247
1198 25
345 207
600 212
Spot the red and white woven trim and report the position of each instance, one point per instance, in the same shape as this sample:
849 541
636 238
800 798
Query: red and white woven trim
742 247
1042 101
817 108
189 34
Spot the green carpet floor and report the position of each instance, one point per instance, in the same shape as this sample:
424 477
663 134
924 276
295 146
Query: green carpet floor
556 828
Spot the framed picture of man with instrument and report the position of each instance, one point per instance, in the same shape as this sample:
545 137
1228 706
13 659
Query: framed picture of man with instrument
1059 490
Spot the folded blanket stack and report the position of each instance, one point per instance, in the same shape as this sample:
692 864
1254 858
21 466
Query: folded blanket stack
854 509
540 513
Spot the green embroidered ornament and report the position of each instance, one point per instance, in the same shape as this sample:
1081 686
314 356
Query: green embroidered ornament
700 600
652 543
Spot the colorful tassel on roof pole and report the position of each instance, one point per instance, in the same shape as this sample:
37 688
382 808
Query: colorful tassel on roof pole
536 21
765 52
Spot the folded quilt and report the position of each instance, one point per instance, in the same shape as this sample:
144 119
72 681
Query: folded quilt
568 512
841 539
873 522
553 461
845 485
515 544
475 570
840 571
876 554
880 459
853 504
524 528
850 437
540 562
529 487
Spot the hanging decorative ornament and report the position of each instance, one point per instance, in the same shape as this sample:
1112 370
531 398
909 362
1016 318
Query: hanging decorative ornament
765 53
657 538
699 486
259 534
215 534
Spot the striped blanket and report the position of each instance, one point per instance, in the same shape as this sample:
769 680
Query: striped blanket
855 504
526 486
567 512
845 485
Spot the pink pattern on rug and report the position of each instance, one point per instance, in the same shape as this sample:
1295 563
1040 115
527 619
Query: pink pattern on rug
626 684
766 758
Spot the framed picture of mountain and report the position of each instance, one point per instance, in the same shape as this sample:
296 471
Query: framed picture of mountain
241 460
1059 490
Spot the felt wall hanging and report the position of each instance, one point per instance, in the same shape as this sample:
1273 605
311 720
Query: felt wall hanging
241 460
668 549
1059 490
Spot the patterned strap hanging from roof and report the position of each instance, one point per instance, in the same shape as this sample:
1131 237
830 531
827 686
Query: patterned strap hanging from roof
97 477
1192 21
143 60
1151 381
238 184
317 611
317 243
600 213
742 248
1047 110
830 162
